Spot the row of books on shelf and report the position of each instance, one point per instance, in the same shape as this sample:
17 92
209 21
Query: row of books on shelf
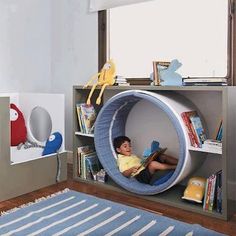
196 132
88 165
86 117
213 193
205 82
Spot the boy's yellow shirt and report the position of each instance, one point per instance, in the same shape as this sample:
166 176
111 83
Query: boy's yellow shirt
126 162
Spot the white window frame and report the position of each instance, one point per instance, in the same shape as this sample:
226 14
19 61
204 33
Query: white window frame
229 46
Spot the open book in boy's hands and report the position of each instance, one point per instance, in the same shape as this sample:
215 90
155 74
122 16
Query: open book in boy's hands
152 157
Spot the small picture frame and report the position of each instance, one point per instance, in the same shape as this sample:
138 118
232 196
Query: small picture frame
157 65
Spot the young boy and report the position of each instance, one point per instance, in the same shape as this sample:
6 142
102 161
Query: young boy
130 165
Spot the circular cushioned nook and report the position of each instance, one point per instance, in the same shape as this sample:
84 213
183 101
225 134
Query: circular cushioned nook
111 122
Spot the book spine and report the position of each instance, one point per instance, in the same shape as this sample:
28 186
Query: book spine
78 164
207 204
205 194
79 117
219 192
198 129
189 129
220 133
212 194
195 134
218 129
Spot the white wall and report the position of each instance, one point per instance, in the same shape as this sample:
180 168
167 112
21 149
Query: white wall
47 46
25 46
74 50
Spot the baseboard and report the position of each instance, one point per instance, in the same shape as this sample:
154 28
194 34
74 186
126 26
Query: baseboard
232 190
70 157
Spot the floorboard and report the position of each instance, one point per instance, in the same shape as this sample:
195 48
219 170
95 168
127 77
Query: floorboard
227 227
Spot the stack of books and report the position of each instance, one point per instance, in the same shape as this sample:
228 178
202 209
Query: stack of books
213 193
139 81
194 127
212 145
88 164
205 82
121 81
86 117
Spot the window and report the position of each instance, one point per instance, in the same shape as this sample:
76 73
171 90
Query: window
194 32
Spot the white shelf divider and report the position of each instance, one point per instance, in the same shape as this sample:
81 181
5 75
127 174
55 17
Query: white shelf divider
215 151
83 134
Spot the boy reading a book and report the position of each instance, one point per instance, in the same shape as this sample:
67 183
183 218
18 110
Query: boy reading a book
131 165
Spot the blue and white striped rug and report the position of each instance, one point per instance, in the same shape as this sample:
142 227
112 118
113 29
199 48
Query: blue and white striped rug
74 213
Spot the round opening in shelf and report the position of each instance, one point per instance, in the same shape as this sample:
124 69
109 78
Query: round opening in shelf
112 120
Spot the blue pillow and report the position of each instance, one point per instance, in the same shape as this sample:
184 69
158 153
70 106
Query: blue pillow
53 144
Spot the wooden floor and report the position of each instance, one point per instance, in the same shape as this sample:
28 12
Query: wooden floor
226 227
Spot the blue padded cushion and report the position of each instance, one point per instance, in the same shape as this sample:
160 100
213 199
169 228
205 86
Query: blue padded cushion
164 178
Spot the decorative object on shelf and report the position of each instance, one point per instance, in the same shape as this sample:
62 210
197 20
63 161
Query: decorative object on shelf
101 176
155 146
18 127
195 189
53 144
104 78
164 73
155 76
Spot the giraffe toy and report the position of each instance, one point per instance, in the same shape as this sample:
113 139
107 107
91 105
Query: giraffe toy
104 78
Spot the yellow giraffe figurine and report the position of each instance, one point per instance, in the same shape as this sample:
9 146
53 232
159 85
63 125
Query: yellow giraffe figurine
104 78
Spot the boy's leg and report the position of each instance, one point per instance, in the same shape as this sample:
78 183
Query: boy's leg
168 159
155 165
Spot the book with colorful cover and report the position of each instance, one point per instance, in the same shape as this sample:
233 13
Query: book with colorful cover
189 129
78 110
145 161
88 117
198 127
195 127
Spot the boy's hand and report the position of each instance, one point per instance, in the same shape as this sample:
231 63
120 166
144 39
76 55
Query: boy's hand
132 170
135 169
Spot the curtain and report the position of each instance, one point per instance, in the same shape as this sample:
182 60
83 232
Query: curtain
98 5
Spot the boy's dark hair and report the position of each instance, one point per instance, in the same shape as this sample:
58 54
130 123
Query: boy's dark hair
118 141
